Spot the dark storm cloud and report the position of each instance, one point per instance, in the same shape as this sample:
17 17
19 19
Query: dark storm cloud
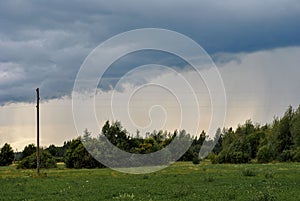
43 43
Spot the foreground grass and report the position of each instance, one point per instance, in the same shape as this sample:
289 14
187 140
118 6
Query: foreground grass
181 181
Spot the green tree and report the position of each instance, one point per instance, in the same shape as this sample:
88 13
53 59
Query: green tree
254 140
116 135
69 158
6 155
295 128
239 146
246 128
57 152
78 157
28 151
239 152
218 141
282 132
229 138
265 154
296 154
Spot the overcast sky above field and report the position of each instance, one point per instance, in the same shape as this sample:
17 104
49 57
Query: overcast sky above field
255 45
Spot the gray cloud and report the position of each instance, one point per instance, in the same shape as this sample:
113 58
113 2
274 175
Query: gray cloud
43 43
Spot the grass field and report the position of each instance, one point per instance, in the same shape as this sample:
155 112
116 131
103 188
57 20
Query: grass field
181 181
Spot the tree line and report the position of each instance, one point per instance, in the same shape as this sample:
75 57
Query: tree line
277 141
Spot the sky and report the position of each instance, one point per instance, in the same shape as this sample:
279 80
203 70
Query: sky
254 44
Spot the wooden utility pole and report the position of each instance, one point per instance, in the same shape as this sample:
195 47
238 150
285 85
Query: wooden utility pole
38 130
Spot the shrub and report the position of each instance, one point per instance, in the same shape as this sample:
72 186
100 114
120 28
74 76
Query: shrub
296 155
239 157
265 154
285 156
213 158
222 157
78 157
46 161
232 157
196 161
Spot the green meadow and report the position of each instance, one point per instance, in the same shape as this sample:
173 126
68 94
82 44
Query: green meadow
180 181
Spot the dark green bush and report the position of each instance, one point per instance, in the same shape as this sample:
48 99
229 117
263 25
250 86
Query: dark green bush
222 157
30 162
196 161
239 157
213 158
265 154
28 151
296 155
78 157
285 156
6 155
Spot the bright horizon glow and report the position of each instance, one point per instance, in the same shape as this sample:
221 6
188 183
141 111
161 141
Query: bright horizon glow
257 86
